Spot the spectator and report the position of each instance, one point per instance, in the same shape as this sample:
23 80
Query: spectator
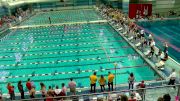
57 92
49 96
102 82
150 37
160 99
110 80
32 92
11 91
172 78
132 97
165 58
137 96
50 91
20 18
165 47
141 91
124 98
63 91
167 97
142 33
131 80
72 86
43 90
93 79
21 90
158 53
28 84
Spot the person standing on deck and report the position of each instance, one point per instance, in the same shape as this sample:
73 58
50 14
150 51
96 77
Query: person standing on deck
29 84
21 90
172 78
102 82
110 80
11 91
72 86
131 80
93 79
165 47
43 90
49 20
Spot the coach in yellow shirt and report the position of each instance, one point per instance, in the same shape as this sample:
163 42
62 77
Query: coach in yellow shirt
93 79
102 82
110 80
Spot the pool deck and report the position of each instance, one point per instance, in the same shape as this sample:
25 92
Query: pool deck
170 63
141 54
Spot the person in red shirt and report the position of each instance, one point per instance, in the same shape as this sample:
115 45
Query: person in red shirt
142 91
142 85
28 84
49 96
11 91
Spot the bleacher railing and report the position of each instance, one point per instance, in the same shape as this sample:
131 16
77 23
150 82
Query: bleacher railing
150 93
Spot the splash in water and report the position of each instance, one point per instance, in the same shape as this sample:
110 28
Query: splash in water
31 39
18 57
3 74
112 51
101 32
24 46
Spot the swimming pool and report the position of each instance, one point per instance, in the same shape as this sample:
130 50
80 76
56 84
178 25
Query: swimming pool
165 30
64 16
54 54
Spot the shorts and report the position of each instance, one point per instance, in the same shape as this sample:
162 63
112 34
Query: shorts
73 90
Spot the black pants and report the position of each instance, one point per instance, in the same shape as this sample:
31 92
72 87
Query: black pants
110 85
142 94
171 82
32 96
44 97
165 49
22 94
93 85
102 88
131 85
12 96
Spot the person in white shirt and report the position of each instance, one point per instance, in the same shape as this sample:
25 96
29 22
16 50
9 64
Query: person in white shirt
165 47
20 18
138 97
172 78
142 33
152 43
57 91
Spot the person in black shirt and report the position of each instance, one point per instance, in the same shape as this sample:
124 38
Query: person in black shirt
21 90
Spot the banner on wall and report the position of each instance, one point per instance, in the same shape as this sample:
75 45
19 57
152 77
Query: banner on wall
140 10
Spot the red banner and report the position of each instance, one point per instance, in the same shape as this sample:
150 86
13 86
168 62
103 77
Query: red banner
140 10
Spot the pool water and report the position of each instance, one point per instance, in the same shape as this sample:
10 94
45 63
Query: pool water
165 30
64 16
55 54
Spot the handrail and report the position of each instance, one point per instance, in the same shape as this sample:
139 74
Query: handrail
103 93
